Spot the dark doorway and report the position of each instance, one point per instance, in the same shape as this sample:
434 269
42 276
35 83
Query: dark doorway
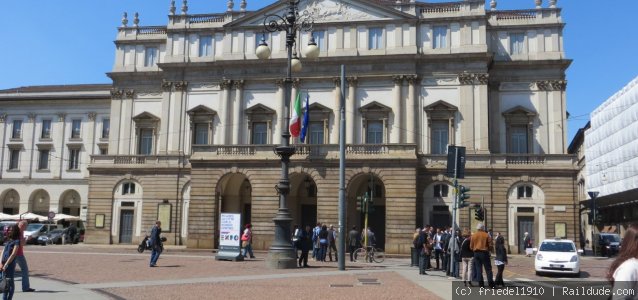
376 222
247 213
525 224
126 226
441 216
308 215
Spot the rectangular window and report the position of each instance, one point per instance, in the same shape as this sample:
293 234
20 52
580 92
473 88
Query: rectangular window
205 45
518 139
75 129
14 163
316 133
106 128
260 133
440 137
74 159
374 132
375 38
517 43
17 129
201 133
320 39
146 141
439 34
524 191
46 129
128 188
150 57
441 190
104 150
43 163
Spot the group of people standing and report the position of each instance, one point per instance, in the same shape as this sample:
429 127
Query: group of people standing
471 253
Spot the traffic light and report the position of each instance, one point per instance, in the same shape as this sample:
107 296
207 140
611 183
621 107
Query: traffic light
463 195
359 203
479 214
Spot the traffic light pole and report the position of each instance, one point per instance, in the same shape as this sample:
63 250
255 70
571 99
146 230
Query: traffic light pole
454 207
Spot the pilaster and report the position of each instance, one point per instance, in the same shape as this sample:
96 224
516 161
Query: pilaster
410 130
334 135
128 138
280 111
225 86
116 119
167 87
91 134
395 131
237 111
351 109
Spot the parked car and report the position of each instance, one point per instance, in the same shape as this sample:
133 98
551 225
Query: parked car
52 237
558 256
607 244
33 231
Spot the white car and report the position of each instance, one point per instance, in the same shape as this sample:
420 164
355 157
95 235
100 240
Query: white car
558 256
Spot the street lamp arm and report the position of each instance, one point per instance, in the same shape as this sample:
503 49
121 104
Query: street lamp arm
292 22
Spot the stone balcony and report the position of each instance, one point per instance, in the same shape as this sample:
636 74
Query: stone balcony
138 161
451 9
525 17
545 162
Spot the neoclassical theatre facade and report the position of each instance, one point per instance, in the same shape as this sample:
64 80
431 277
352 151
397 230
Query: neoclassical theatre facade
195 115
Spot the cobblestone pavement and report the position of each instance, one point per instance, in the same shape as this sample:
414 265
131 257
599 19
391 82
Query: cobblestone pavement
119 272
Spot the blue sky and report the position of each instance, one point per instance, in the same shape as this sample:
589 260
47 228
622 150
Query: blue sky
71 42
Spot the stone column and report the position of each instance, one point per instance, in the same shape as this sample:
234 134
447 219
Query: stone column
237 111
91 136
280 111
3 131
225 86
334 135
167 87
396 126
410 119
116 111
176 134
351 110
128 134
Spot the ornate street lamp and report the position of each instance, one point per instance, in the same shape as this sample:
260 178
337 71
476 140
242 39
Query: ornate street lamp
281 255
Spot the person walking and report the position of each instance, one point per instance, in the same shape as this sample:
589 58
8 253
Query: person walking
323 243
354 241
315 241
481 243
332 243
466 259
305 243
501 258
22 260
623 271
156 243
295 239
424 248
527 244
453 269
8 265
247 241
438 247
72 231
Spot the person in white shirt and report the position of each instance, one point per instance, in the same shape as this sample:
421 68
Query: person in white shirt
438 247
623 272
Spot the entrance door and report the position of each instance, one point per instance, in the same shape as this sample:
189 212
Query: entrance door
308 216
126 226
525 224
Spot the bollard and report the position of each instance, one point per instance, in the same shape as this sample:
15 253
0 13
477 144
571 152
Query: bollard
414 257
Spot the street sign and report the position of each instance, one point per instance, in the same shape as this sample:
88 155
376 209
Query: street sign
51 215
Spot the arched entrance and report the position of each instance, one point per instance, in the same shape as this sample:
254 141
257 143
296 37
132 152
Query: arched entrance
233 195
302 200
39 203
70 203
11 202
360 185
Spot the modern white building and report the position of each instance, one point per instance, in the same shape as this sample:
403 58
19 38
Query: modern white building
48 134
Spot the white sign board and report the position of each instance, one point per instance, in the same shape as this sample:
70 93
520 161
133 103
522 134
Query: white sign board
230 230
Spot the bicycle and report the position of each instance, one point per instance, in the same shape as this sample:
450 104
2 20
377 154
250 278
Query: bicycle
369 254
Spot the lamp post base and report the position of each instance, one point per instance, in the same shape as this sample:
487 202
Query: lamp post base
281 254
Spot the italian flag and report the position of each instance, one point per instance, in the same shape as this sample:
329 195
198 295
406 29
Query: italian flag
295 120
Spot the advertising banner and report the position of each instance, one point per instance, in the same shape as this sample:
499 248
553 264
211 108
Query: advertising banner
229 237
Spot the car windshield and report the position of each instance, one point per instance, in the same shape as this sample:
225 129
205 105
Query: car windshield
557 247
33 227
55 231
611 238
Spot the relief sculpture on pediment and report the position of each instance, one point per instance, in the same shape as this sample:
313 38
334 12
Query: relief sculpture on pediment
337 10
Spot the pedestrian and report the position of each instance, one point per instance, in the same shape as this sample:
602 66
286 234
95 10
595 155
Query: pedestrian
295 237
315 241
438 247
72 231
481 243
156 243
354 240
527 244
9 256
415 247
247 241
501 258
424 248
305 242
323 243
466 259
22 260
454 250
623 272
332 243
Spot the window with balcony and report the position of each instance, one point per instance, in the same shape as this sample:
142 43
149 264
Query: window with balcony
201 118
524 191
518 139
374 119
14 159
16 133
519 123
150 56
439 37
46 129
76 126
517 43
374 132
145 141
319 116
128 188
315 135
74 159
441 190
205 45
375 38
106 128
259 133
441 118
260 118
43 162
146 127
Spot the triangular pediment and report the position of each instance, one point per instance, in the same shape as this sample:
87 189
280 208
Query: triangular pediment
201 110
316 107
259 109
375 106
326 11
441 106
146 116
519 110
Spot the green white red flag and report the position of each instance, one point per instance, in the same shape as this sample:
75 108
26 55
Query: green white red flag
295 120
